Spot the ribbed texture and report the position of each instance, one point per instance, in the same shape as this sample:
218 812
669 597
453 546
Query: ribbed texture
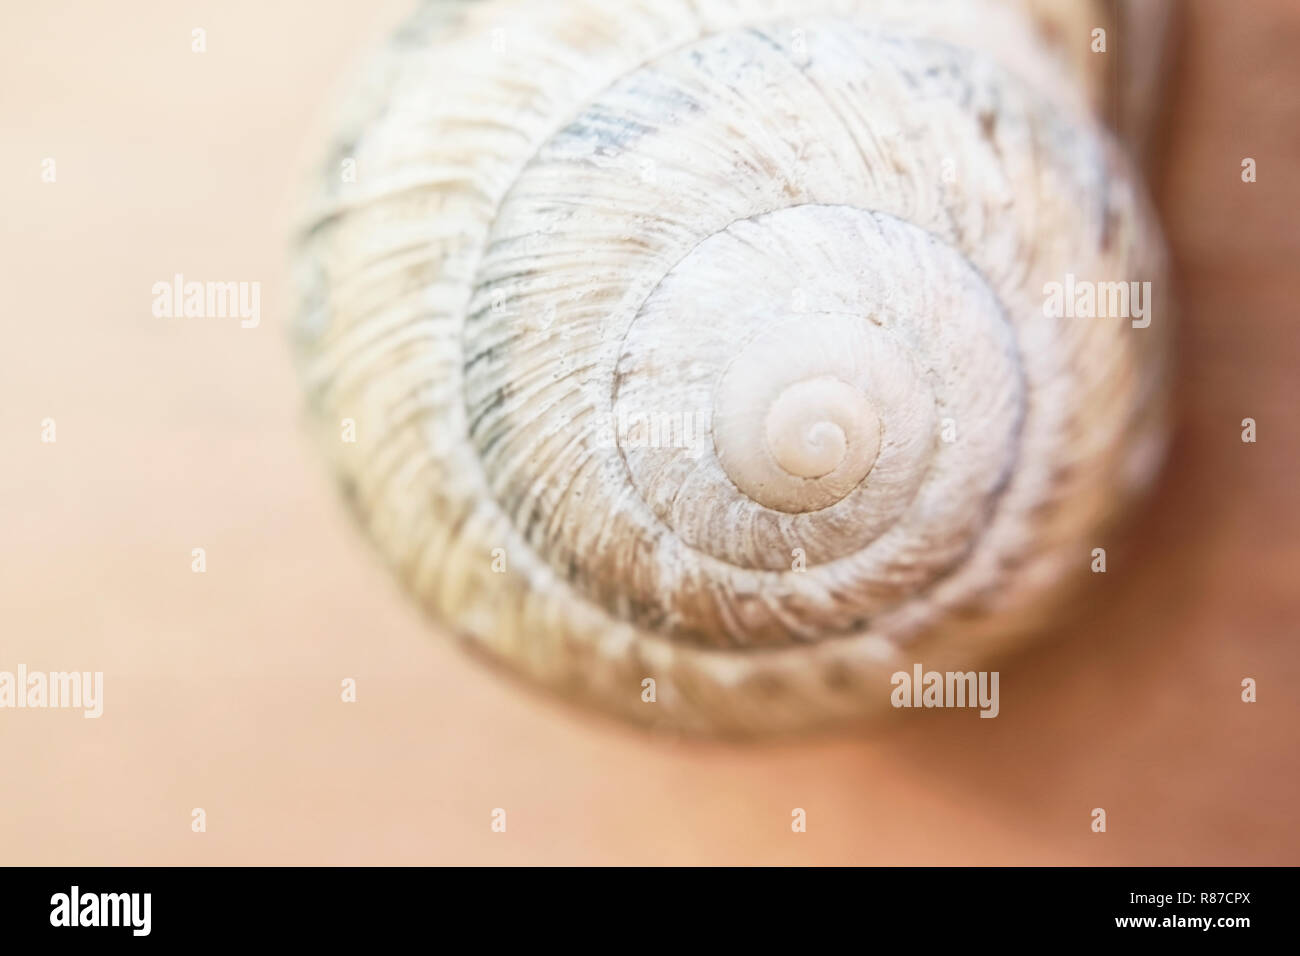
724 322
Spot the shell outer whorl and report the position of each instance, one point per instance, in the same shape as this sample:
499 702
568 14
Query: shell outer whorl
694 343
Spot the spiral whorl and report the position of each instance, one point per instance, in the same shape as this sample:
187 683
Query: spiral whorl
722 331
812 440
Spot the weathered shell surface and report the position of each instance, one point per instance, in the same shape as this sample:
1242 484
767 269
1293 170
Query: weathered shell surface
703 340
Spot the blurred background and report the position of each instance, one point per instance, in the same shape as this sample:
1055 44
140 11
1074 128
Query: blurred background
222 689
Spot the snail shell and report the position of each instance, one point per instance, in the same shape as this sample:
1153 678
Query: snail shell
703 340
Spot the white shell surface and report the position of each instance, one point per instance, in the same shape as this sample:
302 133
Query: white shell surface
704 341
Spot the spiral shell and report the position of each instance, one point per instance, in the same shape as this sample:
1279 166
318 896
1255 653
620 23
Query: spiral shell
703 341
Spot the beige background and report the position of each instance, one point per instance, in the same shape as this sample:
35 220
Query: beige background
222 689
